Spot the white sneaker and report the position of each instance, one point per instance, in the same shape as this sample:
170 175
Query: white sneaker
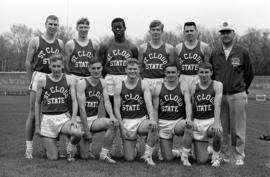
239 162
185 161
107 158
148 160
177 153
216 161
28 154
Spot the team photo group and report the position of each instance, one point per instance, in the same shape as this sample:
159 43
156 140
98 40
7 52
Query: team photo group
156 91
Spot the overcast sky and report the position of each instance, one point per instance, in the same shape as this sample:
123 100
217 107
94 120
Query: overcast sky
137 14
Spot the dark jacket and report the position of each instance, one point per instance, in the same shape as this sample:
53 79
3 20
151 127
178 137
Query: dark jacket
236 73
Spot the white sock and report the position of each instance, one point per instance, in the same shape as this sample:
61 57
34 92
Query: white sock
215 154
148 150
104 151
185 152
29 145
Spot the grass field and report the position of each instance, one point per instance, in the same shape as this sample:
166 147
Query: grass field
13 164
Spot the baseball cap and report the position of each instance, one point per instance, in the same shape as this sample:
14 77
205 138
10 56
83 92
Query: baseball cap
226 26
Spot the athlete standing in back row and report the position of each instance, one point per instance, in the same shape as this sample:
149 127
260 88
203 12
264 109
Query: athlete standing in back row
114 56
154 54
79 51
191 53
37 66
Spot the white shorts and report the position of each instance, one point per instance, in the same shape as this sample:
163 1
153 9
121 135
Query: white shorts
51 125
112 81
34 81
189 79
201 127
77 78
166 127
90 121
132 126
153 82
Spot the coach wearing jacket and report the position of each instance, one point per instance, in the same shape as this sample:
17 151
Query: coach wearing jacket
232 66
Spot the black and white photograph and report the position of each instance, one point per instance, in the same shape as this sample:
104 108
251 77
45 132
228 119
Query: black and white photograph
125 88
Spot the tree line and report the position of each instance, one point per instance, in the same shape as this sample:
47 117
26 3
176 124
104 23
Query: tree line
13 44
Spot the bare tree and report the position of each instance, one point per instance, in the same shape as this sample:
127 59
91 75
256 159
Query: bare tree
19 37
65 33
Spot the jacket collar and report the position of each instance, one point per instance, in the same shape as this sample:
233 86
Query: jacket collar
233 51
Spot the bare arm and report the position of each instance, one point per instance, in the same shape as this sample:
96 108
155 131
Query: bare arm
178 49
61 44
156 100
217 103
107 102
187 98
206 50
72 86
40 85
170 51
32 47
148 100
134 51
69 47
117 103
80 90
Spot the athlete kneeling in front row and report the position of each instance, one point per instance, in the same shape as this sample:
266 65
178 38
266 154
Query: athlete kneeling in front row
172 105
207 95
90 91
51 99
132 106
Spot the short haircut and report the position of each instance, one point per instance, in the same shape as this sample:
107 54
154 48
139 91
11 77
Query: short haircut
156 23
206 65
170 64
52 17
118 20
83 21
190 24
55 57
131 61
93 61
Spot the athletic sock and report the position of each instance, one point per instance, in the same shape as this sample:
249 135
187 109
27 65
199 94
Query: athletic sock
185 152
148 151
29 145
104 151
